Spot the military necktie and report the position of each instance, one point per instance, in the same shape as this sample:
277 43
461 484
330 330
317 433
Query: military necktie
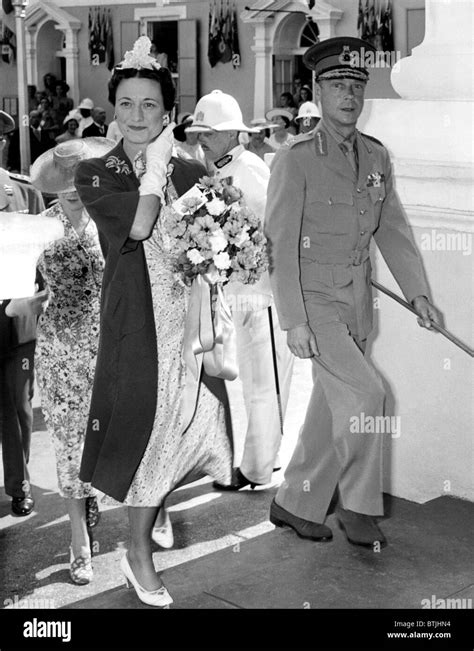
351 154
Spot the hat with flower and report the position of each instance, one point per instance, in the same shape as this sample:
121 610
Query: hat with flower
139 56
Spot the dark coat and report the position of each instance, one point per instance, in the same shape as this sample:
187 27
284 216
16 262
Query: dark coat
124 394
94 131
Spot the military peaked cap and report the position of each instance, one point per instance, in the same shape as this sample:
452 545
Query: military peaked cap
343 56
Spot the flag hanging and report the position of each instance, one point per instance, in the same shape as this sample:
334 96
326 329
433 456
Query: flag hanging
212 49
236 60
110 42
374 23
225 44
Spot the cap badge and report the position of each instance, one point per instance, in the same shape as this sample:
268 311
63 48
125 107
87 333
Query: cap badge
200 117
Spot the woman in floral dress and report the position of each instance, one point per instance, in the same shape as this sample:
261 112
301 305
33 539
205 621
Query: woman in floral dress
68 332
138 448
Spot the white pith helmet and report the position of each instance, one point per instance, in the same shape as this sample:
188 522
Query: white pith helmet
308 110
218 111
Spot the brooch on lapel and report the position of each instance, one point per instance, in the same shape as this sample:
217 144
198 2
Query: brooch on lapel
120 165
375 180
169 170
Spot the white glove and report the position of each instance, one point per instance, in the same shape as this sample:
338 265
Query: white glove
158 154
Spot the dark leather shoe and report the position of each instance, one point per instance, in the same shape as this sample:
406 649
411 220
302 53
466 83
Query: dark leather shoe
238 481
360 529
22 505
280 517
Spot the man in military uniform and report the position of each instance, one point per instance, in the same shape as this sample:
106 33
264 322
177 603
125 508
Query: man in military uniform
330 191
218 120
17 346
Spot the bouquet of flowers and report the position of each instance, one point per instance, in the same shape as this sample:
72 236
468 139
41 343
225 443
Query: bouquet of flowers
213 234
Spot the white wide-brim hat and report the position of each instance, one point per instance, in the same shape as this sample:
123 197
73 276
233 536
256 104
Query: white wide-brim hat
53 171
308 110
261 124
273 113
86 104
72 115
218 111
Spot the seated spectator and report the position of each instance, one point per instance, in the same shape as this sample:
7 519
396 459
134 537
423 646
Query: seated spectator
71 122
49 81
282 118
259 142
306 95
98 126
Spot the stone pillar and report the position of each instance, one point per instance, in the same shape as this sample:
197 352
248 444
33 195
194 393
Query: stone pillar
442 66
429 136
263 49
71 54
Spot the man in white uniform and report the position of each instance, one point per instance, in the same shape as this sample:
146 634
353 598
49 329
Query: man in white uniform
218 120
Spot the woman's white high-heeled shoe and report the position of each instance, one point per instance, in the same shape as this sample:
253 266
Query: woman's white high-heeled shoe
160 597
163 535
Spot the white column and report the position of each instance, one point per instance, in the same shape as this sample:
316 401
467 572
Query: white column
71 54
31 69
263 49
429 134
442 66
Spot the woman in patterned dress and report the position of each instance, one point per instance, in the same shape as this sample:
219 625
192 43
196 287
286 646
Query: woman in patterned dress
68 332
137 447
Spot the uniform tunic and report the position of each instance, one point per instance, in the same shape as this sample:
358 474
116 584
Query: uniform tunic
132 451
320 218
249 305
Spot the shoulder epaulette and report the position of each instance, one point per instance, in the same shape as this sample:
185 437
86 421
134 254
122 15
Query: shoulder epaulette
366 135
301 137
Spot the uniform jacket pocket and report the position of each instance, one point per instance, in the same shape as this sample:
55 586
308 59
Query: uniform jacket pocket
330 210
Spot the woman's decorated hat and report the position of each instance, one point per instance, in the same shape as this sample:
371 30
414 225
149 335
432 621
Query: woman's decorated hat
261 124
275 112
53 171
72 115
139 56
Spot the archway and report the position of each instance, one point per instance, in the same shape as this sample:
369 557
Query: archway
278 37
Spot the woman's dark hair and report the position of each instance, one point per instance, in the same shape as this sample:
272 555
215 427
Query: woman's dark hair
162 76
308 91
285 120
289 97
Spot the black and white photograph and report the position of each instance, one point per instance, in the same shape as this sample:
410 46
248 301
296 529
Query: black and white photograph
236 324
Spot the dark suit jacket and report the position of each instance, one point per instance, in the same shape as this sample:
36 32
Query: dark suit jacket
37 147
124 395
93 131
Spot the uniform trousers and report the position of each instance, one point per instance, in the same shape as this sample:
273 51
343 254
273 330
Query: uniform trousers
254 352
329 454
16 416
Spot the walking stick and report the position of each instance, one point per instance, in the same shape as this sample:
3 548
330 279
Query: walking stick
460 344
275 368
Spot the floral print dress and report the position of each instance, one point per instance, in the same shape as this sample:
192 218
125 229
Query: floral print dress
67 342
205 448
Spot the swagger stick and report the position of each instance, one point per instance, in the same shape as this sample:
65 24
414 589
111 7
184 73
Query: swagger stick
275 368
460 344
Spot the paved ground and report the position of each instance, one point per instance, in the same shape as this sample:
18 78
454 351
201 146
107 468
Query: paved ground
227 554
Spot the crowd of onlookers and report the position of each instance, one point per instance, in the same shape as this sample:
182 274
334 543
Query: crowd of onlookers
53 119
